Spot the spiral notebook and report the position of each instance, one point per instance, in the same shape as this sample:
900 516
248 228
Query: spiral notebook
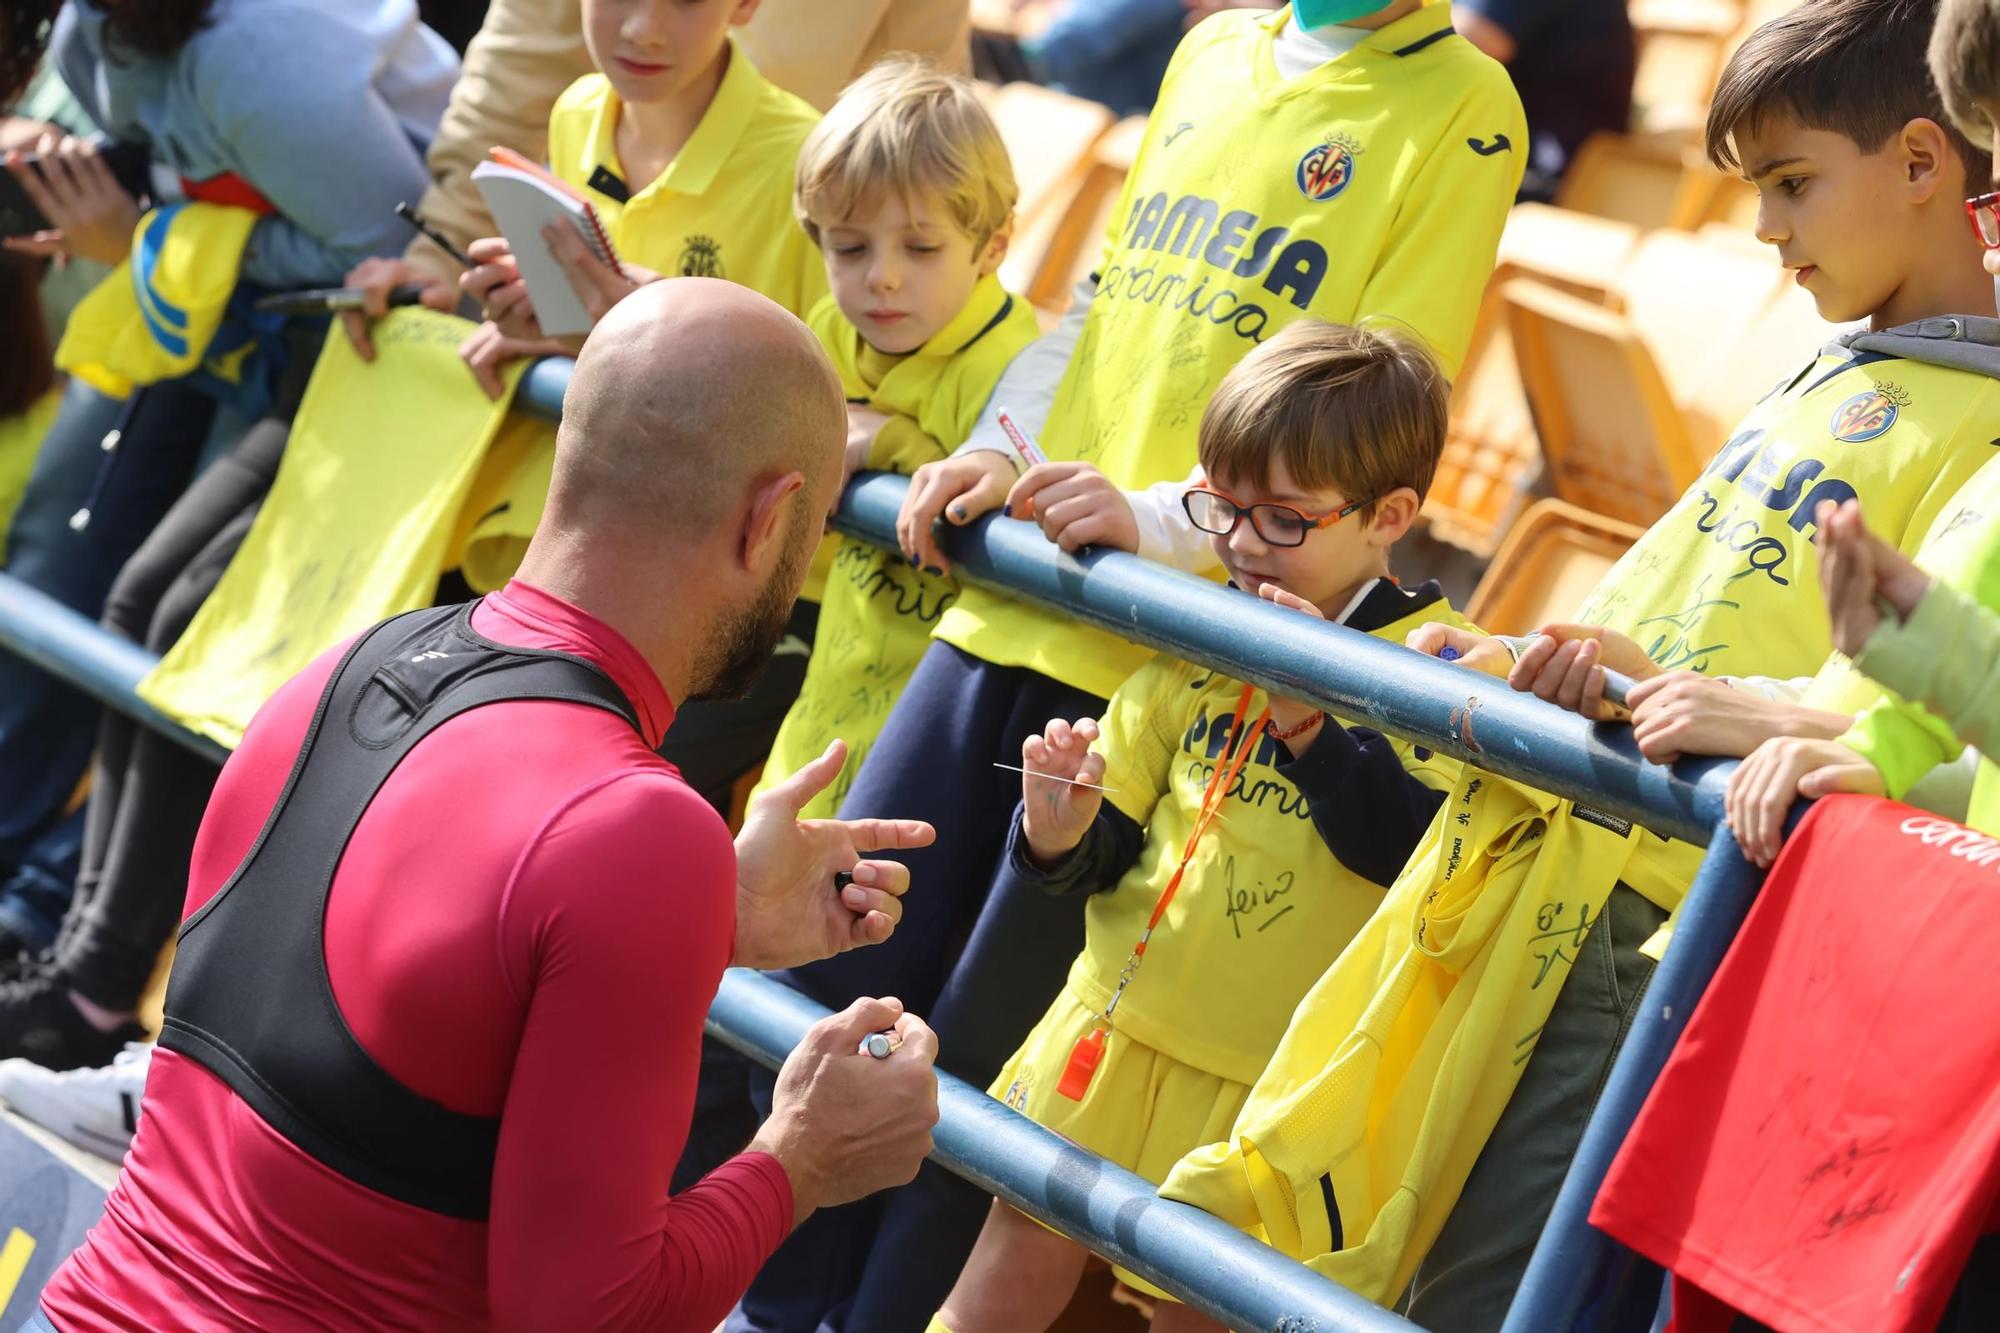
524 198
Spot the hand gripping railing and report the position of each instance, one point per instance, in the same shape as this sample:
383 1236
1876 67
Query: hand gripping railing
1577 1273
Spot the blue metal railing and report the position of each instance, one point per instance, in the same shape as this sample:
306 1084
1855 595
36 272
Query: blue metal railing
1215 1268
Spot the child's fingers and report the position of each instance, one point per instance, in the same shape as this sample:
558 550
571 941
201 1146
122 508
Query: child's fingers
1092 768
1058 732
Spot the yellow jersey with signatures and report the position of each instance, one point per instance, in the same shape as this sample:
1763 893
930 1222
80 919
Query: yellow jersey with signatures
1370 190
1263 907
1728 582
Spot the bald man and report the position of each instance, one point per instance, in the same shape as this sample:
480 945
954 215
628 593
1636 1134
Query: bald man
452 925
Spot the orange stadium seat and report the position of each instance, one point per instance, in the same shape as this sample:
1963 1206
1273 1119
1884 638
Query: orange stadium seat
1058 248
1618 399
1579 252
1619 176
1050 136
1549 563
1682 47
1490 458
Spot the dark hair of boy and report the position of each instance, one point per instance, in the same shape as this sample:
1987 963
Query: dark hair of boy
1854 67
1351 410
26 368
1965 61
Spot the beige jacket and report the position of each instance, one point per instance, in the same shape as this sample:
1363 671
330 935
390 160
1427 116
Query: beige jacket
528 51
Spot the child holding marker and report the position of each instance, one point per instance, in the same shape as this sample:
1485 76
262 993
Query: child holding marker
907 190
1196 814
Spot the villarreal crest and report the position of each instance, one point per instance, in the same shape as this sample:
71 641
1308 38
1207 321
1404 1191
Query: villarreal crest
1866 415
1326 170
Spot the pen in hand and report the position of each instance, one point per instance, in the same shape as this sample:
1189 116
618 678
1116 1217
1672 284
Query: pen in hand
436 237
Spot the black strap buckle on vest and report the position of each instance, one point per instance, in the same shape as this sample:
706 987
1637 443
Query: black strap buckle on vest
249 997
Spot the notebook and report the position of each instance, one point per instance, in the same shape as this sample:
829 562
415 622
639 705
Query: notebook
524 198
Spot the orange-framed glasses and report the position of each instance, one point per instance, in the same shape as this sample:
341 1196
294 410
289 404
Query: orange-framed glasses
1984 212
1218 512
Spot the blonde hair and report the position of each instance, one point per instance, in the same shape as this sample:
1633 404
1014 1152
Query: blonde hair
905 127
1351 410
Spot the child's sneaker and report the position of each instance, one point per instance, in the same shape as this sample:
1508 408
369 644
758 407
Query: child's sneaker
96 1109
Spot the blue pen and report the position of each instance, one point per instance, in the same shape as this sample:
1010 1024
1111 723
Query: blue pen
1447 654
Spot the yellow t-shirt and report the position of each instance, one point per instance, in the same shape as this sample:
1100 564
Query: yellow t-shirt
1728 582
1263 907
876 615
1372 189
723 206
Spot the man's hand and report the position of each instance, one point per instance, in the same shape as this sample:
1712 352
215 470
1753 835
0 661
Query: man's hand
1054 814
89 214
1565 665
1855 569
486 349
788 912
1476 651
1684 712
1076 506
844 1125
864 423
375 277
596 284
960 488
1763 787
1289 713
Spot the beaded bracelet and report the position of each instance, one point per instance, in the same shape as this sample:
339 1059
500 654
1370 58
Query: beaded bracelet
1301 729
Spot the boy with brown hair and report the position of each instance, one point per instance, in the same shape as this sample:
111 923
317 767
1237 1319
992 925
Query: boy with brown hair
1829 111
1228 843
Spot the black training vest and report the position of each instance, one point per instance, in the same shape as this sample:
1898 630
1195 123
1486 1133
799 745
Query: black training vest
249 998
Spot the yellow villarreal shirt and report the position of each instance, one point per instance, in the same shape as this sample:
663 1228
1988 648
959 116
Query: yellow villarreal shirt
1263 907
1370 190
1728 582
723 206
877 612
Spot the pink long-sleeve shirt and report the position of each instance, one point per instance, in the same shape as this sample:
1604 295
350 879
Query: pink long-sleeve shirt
528 923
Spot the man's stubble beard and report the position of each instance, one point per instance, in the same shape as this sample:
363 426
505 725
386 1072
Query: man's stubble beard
744 639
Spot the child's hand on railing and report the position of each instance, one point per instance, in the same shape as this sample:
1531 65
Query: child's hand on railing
1565 665
1465 647
1055 812
1075 506
958 489
1297 723
863 425
1763 787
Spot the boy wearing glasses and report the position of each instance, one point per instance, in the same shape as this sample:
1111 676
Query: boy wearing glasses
1199 814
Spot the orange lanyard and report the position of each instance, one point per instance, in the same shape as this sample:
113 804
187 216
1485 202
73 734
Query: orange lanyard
1090 1049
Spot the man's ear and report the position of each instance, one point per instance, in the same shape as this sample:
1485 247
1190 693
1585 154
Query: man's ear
1927 158
1394 513
762 542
